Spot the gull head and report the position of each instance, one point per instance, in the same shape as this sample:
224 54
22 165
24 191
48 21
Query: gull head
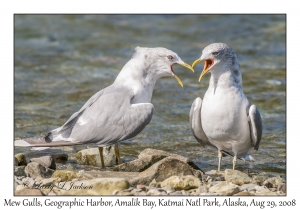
218 57
158 62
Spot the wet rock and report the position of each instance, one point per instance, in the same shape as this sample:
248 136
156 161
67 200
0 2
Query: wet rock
247 187
148 157
16 162
37 170
18 179
65 176
273 182
21 159
282 187
91 156
260 178
26 192
19 171
141 186
225 188
164 169
202 189
261 190
214 175
236 177
182 182
46 161
98 186
168 189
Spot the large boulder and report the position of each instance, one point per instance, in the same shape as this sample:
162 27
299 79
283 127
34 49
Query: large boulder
151 165
163 154
158 165
163 169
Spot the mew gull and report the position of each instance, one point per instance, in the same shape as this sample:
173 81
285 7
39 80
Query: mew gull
225 120
119 111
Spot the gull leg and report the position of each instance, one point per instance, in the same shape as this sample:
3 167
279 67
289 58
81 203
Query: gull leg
101 156
234 161
117 151
220 159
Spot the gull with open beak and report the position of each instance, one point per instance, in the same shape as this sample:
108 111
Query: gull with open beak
119 111
225 120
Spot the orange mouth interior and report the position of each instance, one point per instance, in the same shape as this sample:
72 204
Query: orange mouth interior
172 69
208 64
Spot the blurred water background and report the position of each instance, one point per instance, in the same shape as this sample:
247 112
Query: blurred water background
60 61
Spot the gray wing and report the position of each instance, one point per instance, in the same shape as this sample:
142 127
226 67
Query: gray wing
65 130
110 118
196 125
255 125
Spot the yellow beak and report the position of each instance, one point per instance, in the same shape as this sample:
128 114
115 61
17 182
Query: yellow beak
196 62
185 65
205 69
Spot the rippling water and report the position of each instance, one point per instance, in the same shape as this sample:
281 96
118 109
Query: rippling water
62 60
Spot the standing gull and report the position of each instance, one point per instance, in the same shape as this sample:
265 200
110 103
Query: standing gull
225 119
119 111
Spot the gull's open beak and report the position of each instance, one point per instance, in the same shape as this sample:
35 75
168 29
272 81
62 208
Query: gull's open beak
207 65
185 65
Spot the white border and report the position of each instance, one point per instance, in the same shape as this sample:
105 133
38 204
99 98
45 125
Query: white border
8 8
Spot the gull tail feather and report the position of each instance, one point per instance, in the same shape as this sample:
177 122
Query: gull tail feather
43 143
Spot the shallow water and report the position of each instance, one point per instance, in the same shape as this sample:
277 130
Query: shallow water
62 60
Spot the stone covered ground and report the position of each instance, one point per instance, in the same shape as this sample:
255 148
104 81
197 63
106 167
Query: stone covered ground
154 172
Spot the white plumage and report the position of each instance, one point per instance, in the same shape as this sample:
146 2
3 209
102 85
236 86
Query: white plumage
225 119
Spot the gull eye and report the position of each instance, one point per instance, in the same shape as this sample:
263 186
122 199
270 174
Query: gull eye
215 53
170 57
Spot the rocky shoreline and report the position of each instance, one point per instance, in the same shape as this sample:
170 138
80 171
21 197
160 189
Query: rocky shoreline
154 172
